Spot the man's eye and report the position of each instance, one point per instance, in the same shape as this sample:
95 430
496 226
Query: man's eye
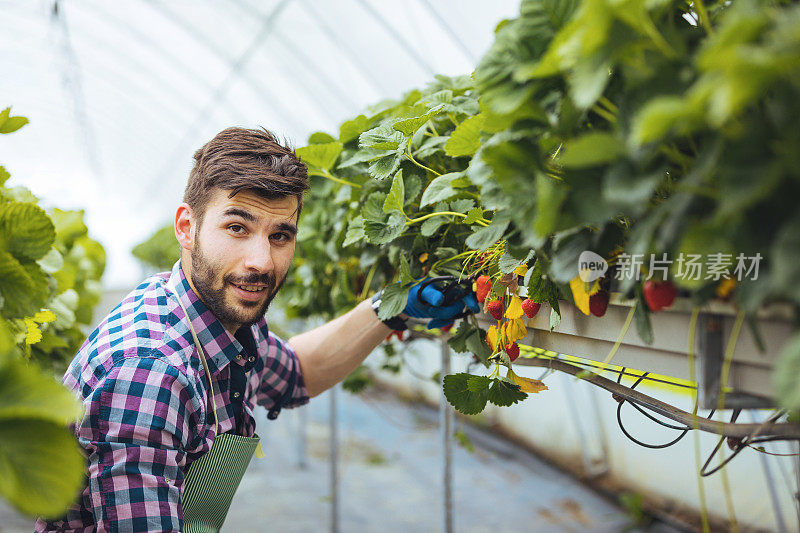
236 228
281 237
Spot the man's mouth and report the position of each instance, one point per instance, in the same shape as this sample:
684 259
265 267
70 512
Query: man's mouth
252 288
252 293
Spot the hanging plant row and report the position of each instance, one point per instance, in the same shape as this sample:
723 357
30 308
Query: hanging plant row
645 148
659 136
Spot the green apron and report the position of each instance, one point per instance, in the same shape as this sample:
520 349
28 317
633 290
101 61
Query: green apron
213 479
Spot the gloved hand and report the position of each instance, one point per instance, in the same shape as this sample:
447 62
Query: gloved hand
441 299
441 303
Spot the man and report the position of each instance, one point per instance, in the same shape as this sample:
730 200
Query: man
170 378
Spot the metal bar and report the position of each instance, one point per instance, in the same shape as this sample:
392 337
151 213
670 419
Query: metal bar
576 417
446 424
600 464
72 81
710 356
302 434
782 431
773 494
334 458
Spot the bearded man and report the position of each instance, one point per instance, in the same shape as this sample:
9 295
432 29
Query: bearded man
170 378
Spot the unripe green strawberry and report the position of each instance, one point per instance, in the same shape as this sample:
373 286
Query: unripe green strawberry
598 302
513 351
495 308
483 286
530 308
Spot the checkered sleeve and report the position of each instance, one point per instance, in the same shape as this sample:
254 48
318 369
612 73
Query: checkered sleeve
140 424
281 384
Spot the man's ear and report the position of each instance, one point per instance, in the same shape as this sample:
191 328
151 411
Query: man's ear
185 226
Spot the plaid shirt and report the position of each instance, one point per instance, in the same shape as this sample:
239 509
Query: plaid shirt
147 407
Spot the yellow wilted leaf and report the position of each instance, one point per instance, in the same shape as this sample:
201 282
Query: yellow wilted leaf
423 257
44 316
725 287
526 384
579 294
514 309
514 330
492 337
521 270
33 334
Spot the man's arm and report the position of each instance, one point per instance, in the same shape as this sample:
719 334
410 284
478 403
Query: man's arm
327 354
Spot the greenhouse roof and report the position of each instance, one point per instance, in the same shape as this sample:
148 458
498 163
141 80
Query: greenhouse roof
120 95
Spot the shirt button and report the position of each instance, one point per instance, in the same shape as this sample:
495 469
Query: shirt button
236 394
251 359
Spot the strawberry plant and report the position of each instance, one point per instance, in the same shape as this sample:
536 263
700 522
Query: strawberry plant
635 129
49 283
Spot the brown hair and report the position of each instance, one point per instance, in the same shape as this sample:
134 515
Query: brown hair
239 159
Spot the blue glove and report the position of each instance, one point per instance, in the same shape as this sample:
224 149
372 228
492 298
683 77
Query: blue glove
443 303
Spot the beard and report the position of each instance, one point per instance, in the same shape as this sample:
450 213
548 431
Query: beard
213 291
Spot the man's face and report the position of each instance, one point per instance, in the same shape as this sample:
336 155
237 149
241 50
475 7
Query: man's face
241 254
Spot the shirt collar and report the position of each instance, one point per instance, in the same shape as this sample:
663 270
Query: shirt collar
220 346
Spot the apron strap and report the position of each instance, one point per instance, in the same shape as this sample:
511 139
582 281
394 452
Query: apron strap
171 286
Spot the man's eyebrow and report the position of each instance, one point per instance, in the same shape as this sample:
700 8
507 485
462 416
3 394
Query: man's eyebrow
239 212
286 226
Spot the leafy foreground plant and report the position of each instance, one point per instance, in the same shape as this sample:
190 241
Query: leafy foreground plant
49 274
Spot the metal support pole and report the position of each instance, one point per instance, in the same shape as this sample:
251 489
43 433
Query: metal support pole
773 494
446 424
599 464
576 418
302 434
334 454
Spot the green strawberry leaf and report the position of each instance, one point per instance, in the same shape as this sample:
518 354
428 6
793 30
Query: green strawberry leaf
430 226
379 232
405 271
396 197
393 301
9 124
504 394
466 138
591 149
488 235
320 155
384 137
462 206
23 286
464 393
408 126
458 340
25 230
351 129
439 189
385 166
355 231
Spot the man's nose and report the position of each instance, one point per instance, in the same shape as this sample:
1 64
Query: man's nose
259 257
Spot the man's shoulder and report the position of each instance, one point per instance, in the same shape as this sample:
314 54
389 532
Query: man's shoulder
141 326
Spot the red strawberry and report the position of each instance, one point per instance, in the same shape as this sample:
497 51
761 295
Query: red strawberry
495 308
598 302
530 308
513 351
659 294
484 285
